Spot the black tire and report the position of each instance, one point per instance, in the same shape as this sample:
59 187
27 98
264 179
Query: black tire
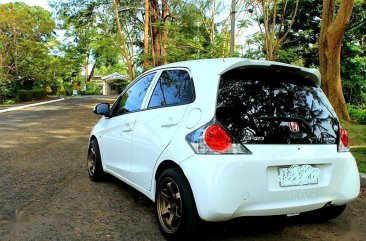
332 212
325 213
175 207
94 162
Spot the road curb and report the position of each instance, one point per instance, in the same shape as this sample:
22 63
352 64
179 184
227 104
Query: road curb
30 105
363 179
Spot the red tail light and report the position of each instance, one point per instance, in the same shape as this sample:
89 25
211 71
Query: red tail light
343 141
213 139
217 139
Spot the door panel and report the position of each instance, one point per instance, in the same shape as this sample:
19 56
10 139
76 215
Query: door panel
116 138
156 126
116 143
153 131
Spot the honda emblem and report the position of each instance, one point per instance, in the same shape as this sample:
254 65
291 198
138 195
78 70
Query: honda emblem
294 126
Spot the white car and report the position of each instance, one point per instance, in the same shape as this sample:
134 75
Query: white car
218 139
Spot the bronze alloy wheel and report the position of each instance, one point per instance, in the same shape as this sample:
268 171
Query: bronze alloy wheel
91 161
169 205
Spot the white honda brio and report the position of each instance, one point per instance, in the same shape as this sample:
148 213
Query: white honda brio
217 139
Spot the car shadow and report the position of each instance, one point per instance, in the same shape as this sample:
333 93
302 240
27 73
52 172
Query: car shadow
243 228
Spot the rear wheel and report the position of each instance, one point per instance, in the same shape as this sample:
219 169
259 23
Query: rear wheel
94 162
175 207
332 211
325 213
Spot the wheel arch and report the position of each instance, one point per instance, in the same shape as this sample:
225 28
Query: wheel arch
92 137
165 165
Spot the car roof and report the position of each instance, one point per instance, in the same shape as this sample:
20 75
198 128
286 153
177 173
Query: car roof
222 65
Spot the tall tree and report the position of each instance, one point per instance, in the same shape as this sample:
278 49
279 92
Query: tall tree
126 50
25 34
159 38
146 35
333 26
275 19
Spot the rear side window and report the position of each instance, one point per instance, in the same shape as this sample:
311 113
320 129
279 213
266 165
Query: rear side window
264 106
132 99
174 87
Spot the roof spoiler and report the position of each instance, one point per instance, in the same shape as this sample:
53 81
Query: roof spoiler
311 74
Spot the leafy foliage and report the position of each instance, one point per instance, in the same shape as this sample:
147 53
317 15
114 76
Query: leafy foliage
358 113
27 95
24 54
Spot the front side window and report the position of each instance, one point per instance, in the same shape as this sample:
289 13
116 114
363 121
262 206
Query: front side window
132 99
174 87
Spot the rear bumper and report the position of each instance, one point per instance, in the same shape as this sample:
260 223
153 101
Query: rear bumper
229 186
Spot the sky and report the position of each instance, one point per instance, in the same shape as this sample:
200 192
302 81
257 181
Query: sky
42 3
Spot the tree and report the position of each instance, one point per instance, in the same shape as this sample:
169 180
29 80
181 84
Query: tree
25 34
333 26
159 32
302 42
146 35
275 20
126 49
353 56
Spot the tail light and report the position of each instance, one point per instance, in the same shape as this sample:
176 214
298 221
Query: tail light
343 144
212 138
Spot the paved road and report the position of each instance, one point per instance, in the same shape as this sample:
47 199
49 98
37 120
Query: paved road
45 193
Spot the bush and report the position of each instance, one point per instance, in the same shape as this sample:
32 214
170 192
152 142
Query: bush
9 102
93 88
358 113
27 95
121 86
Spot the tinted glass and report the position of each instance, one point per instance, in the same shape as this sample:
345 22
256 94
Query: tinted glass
132 99
268 107
174 87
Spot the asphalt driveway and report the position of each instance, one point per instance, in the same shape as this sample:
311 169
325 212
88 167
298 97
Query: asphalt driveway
45 192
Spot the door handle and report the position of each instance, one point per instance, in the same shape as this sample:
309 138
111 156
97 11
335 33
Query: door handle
169 125
127 128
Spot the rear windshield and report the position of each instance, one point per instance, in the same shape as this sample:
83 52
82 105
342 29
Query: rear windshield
266 106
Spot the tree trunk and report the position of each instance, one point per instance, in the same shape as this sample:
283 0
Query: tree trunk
275 32
331 35
146 36
86 68
92 72
212 31
124 47
159 31
164 31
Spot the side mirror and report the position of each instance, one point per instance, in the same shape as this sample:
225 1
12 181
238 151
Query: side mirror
101 109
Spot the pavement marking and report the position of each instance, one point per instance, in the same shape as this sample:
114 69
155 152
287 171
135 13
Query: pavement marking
30 105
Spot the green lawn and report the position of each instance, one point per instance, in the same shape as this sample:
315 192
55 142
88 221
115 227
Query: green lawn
357 139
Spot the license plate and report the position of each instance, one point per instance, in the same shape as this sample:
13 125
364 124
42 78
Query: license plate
298 175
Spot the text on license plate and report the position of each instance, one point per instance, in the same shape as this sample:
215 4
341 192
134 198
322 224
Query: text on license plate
298 175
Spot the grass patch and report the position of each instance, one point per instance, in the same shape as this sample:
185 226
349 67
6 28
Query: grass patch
357 139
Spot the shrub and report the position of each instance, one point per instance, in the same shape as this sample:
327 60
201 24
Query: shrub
9 102
121 86
27 95
62 90
358 113
93 88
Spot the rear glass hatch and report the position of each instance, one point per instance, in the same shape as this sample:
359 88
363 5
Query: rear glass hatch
274 105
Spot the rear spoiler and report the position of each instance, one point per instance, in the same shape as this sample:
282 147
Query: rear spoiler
311 74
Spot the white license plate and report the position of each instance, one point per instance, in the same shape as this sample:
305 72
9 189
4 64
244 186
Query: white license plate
298 175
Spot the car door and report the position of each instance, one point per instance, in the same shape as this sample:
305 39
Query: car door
155 127
117 133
